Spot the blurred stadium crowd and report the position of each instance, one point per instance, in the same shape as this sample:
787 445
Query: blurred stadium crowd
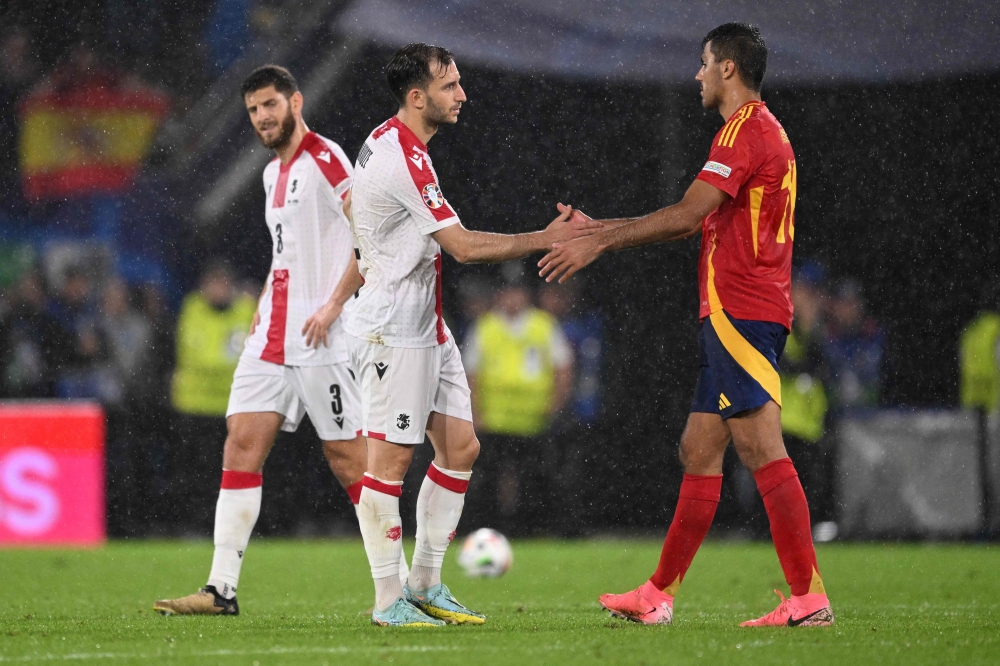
98 302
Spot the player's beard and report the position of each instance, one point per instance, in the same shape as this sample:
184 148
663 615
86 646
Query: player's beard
709 100
287 129
437 116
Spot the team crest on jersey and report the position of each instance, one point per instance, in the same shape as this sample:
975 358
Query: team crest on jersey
432 195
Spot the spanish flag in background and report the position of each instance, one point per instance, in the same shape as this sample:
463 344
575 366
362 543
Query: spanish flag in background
86 135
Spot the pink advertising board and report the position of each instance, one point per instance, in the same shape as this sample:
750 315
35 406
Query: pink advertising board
51 474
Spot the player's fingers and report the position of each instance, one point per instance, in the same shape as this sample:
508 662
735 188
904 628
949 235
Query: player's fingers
568 274
555 268
561 207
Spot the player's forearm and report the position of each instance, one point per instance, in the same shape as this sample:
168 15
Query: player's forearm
485 248
349 283
665 225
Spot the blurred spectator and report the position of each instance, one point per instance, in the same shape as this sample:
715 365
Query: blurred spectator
804 403
979 356
520 369
135 456
81 346
129 336
855 350
211 329
475 297
584 330
576 437
31 340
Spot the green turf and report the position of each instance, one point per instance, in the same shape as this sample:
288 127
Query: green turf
301 604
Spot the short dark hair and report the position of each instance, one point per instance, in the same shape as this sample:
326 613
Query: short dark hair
270 75
411 67
743 44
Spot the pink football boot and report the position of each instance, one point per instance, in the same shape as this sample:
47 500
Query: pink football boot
647 605
807 610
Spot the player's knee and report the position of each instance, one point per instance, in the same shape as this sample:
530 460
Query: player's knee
472 450
241 441
698 460
465 454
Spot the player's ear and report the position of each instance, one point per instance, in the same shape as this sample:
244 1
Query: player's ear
416 97
728 69
296 101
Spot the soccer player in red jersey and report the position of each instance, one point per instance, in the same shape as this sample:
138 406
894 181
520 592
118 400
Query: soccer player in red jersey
743 201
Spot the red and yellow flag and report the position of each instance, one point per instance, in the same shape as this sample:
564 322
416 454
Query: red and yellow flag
90 137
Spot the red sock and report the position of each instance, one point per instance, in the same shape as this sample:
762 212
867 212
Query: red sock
788 514
354 491
696 506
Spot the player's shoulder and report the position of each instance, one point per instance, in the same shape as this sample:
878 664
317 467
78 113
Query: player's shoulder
770 130
743 129
328 156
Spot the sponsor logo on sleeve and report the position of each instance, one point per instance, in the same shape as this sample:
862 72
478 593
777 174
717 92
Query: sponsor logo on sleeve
716 167
432 195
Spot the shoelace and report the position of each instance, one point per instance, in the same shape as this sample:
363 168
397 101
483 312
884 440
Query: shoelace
781 609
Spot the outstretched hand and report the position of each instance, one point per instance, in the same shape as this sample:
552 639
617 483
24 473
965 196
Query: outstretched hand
566 259
571 224
571 255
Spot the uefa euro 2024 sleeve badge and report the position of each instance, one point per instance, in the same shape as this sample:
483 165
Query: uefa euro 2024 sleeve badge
432 195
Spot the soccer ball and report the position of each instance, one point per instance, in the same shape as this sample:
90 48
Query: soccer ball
486 554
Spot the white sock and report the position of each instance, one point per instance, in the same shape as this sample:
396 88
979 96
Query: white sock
382 530
235 516
439 508
404 569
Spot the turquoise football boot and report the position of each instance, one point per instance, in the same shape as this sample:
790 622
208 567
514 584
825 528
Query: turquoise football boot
438 601
403 614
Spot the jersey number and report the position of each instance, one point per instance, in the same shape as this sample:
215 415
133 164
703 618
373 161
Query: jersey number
281 243
788 183
337 404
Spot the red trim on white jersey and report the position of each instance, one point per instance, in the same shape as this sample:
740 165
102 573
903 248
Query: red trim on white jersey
274 351
415 156
326 160
279 187
441 336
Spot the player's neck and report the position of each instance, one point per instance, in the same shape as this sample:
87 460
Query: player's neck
734 99
286 153
416 124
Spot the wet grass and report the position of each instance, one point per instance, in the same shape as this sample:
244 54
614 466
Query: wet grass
301 603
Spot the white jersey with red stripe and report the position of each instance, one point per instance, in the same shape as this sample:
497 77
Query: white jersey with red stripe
396 204
311 248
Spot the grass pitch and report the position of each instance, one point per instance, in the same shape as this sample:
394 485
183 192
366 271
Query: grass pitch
301 604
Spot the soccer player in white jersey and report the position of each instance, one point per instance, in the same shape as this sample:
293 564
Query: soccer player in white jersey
410 372
295 359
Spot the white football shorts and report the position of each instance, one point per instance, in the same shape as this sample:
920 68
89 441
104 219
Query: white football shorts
400 387
328 393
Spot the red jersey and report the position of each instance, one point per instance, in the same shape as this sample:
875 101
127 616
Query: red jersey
745 266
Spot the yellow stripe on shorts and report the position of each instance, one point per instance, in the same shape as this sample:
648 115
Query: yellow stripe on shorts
747 355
